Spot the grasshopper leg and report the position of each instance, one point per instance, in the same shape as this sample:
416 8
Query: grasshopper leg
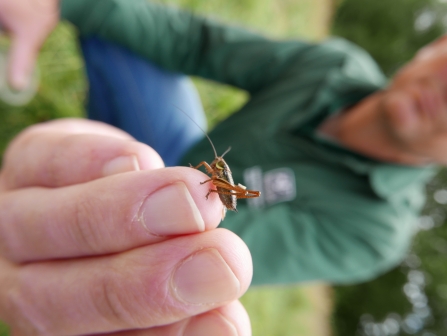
206 181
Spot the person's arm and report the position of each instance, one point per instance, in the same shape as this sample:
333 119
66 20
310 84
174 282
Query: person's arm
179 41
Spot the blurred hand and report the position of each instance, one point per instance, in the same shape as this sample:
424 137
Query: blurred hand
97 237
28 22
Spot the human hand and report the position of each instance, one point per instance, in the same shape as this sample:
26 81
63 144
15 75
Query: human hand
28 22
89 244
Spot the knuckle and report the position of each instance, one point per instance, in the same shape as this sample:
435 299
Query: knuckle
9 244
12 169
133 299
5 246
113 300
56 163
84 230
52 173
23 313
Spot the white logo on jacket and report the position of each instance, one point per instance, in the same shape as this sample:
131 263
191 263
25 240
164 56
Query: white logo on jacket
277 185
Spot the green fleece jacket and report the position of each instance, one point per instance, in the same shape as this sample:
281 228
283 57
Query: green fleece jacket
325 212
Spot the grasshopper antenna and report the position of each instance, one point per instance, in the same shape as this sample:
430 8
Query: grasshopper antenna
212 145
229 148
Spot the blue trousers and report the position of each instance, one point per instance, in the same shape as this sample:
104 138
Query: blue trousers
142 99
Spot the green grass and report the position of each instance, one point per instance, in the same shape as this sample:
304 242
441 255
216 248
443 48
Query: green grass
4 331
289 310
274 311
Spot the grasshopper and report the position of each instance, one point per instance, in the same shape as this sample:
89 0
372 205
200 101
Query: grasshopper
220 176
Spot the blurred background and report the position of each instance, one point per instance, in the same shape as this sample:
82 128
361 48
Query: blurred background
409 300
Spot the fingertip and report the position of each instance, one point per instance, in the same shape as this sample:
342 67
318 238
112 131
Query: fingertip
19 80
237 255
211 208
148 158
21 62
237 315
212 323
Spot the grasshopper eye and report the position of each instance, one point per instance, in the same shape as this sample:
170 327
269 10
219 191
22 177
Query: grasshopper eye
219 166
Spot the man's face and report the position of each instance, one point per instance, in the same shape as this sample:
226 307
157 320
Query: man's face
415 105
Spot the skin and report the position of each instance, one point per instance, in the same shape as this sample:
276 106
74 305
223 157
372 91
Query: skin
79 257
28 23
407 122
81 253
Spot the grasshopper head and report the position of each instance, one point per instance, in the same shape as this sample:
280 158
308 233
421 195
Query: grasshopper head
219 164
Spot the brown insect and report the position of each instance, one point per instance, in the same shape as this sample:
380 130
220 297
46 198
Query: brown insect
223 180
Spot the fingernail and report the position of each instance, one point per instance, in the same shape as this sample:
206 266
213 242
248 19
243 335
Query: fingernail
205 278
210 324
121 164
171 211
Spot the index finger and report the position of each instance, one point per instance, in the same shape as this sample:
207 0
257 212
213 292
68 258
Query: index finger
104 216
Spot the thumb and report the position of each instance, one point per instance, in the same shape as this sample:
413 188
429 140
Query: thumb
22 60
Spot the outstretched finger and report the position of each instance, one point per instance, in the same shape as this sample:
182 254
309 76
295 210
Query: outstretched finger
68 152
22 60
108 215
28 23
